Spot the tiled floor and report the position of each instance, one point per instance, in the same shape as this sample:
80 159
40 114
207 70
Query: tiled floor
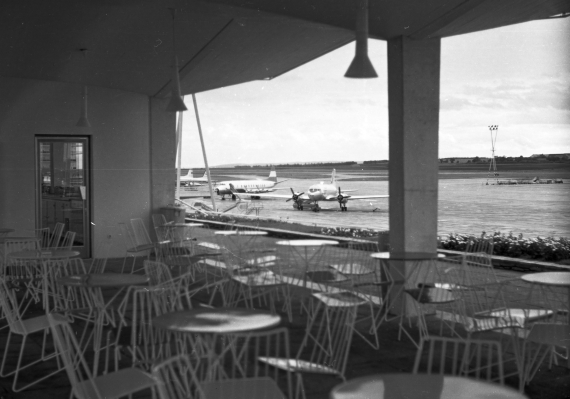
393 356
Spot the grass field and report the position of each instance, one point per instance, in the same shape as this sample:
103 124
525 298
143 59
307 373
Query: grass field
550 170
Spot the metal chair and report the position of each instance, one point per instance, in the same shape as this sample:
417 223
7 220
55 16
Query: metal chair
159 222
326 344
56 235
141 235
140 305
239 373
132 249
84 384
251 270
44 236
22 272
68 240
475 358
542 341
23 327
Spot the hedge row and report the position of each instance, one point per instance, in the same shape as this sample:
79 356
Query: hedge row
546 248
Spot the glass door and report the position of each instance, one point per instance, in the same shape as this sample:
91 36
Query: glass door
63 188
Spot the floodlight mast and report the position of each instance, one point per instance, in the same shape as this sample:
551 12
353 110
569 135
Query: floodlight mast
493 129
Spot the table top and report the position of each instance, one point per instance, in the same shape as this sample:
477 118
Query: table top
241 233
102 280
561 279
43 254
5 230
306 243
171 225
219 320
407 255
19 238
421 386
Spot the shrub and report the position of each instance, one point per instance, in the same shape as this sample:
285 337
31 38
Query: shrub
545 248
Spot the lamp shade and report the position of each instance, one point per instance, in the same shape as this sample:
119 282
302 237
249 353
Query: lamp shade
361 67
176 103
83 121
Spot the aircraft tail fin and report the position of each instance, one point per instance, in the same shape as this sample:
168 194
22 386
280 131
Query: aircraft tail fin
189 173
333 176
273 175
205 175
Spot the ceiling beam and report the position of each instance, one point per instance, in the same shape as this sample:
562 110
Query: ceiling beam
198 57
430 30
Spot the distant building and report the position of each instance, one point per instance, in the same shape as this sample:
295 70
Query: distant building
456 160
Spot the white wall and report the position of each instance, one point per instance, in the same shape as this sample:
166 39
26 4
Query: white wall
120 148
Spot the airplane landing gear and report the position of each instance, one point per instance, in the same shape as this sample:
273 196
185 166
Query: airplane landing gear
316 208
233 197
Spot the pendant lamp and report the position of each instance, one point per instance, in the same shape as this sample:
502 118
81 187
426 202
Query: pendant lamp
176 103
83 121
361 67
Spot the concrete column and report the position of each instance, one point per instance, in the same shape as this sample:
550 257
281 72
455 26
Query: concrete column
413 98
162 156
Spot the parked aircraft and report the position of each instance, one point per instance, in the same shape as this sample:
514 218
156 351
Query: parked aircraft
322 192
249 187
190 180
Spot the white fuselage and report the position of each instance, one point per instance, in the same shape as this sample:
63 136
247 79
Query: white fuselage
322 191
244 186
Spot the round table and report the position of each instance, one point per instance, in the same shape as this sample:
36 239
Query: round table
551 279
102 280
53 254
211 329
179 232
241 233
407 256
42 258
417 280
5 231
301 248
423 386
93 284
216 321
183 225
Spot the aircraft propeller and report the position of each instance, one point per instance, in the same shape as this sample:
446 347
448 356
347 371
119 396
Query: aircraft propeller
295 196
340 199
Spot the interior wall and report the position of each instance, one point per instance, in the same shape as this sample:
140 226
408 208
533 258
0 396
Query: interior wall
120 161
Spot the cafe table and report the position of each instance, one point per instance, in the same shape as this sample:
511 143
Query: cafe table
93 284
419 279
552 285
205 326
424 386
179 232
301 248
4 231
554 291
34 258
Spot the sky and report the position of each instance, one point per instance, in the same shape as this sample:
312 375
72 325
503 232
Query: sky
516 77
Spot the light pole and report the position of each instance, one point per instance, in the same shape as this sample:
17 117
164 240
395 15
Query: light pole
493 129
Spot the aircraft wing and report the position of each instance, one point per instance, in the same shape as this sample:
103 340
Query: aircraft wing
280 196
355 197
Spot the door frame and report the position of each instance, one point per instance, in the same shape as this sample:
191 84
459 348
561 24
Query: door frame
86 249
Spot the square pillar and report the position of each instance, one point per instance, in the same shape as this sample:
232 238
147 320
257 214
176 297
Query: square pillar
162 155
413 101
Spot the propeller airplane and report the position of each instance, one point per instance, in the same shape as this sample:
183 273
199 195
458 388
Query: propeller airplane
321 192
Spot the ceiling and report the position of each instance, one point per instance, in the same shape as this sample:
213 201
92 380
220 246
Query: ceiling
127 44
